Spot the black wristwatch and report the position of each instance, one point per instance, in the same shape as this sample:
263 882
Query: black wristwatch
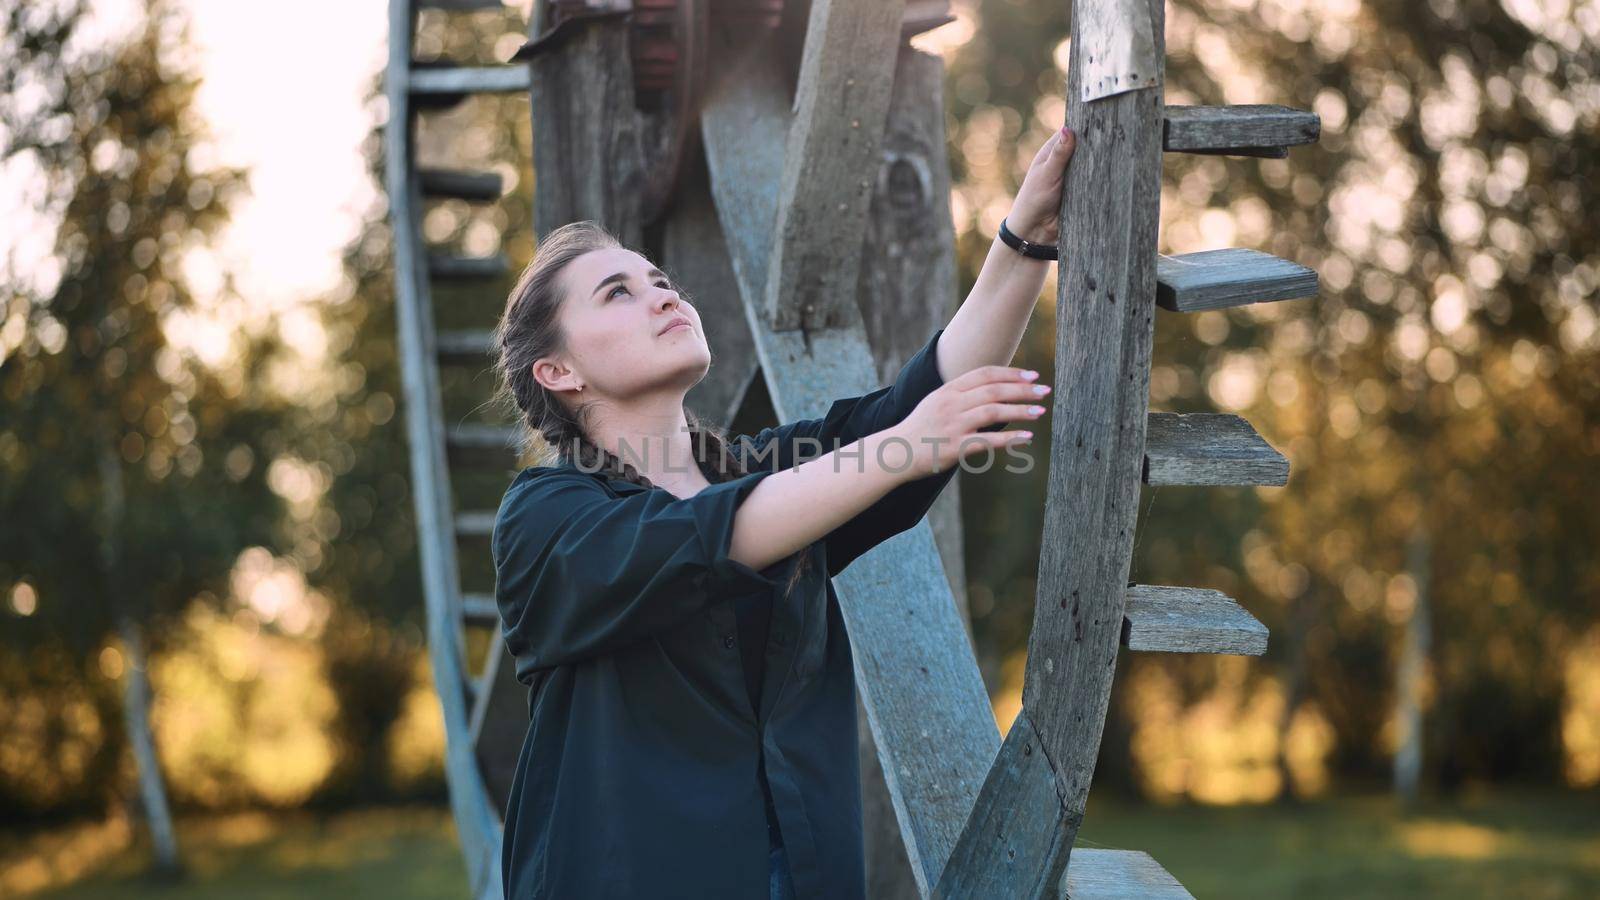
1025 247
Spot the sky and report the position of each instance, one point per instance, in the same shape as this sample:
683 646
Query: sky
287 102
283 101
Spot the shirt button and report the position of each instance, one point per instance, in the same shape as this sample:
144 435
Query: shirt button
727 641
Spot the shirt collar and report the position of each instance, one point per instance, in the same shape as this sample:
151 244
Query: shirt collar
619 484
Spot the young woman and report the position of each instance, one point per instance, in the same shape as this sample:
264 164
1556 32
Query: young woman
665 591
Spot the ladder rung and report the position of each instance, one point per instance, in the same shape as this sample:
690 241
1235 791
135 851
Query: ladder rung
475 523
484 437
484 442
1189 620
1095 873
1259 129
1209 449
924 15
480 609
443 86
460 5
1234 276
459 185
471 345
467 268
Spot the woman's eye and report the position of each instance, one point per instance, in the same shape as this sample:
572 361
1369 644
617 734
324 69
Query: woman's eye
614 290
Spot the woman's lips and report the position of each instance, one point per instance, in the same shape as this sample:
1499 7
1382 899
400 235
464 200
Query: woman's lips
674 327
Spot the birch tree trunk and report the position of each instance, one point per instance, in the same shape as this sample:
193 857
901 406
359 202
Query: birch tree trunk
136 683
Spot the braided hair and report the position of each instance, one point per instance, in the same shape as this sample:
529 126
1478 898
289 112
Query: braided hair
530 330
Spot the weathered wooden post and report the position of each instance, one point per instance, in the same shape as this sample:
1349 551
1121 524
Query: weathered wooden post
1018 840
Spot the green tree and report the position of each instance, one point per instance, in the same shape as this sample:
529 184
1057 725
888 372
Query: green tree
131 474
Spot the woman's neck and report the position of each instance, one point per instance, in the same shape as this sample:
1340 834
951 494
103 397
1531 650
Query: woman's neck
655 440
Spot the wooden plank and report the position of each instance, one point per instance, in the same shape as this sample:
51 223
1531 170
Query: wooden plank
1105 310
466 345
1209 449
467 268
908 642
846 74
1233 276
1096 874
1254 129
461 185
586 143
1189 620
1021 841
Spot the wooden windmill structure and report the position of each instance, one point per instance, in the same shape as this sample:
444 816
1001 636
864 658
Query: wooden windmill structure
757 148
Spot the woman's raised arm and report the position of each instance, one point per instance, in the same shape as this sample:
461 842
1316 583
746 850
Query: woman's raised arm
988 327
794 507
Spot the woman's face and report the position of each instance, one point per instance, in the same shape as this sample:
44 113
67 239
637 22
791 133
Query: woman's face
623 321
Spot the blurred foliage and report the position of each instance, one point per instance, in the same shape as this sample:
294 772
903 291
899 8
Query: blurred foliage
1443 382
94 398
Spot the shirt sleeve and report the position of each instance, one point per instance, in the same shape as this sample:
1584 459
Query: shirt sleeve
848 420
580 573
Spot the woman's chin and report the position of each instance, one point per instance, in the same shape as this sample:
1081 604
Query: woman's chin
692 359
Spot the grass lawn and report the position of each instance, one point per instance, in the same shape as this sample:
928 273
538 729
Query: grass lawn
1523 845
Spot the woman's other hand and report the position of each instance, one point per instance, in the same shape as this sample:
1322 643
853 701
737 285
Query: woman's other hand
945 426
1035 213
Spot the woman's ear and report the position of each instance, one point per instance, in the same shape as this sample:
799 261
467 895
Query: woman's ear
556 376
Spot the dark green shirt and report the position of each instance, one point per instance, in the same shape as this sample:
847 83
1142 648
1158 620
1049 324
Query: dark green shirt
640 772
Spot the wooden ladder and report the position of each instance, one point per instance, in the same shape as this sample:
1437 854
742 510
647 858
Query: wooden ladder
412 89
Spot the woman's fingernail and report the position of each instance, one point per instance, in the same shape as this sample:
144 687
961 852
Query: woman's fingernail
1029 375
1041 389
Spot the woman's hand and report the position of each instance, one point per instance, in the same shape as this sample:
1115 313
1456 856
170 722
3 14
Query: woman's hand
944 428
1036 211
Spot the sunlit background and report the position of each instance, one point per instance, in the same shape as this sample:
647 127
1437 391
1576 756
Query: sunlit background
201 445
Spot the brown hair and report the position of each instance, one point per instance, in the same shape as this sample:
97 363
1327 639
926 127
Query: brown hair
529 330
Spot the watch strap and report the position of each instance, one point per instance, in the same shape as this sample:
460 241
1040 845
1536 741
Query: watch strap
1025 247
